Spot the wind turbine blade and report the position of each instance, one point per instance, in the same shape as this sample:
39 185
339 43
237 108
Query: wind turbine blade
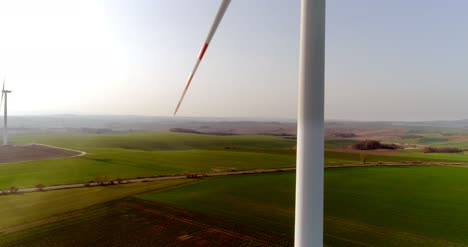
214 26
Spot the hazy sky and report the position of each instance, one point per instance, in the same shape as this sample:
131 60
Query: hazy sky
385 60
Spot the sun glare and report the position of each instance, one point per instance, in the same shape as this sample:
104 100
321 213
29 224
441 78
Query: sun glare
64 46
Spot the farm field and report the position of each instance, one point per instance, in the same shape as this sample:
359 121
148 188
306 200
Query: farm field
371 206
261 201
144 155
410 206
21 153
154 141
340 157
132 222
24 210
155 154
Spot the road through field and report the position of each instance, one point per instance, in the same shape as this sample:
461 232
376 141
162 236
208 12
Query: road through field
232 173
150 179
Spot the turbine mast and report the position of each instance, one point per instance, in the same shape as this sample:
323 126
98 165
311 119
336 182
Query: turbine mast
5 115
5 119
310 146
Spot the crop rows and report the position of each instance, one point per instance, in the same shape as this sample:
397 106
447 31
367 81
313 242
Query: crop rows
118 225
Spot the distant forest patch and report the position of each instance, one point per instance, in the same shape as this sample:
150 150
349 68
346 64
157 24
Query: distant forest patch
373 145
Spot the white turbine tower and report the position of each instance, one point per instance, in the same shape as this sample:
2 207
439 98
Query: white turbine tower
5 115
310 147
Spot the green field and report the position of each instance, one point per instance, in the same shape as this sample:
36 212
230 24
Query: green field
262 201
411 206
132 163
336 158
18 210
147 154
374 206
159 141
339 143
435 138
133 222
155 154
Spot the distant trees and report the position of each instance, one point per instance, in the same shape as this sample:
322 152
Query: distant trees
40 187
102 180
441 150
195 175
105 180
372 145
184 130
13 190
191 131
363 158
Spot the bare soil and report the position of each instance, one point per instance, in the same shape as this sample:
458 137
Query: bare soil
31 152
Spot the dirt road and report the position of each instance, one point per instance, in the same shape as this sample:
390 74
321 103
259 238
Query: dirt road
218 174
151 179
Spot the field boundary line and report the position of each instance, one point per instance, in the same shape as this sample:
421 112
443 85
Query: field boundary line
81 153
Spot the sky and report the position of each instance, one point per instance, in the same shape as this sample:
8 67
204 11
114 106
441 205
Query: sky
385 60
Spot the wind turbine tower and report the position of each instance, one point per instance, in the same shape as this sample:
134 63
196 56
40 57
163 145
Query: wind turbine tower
310 122
5 115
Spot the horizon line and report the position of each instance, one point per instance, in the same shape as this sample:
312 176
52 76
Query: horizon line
287 119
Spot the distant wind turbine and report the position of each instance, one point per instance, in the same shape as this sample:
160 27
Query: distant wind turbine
5 115
310 146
